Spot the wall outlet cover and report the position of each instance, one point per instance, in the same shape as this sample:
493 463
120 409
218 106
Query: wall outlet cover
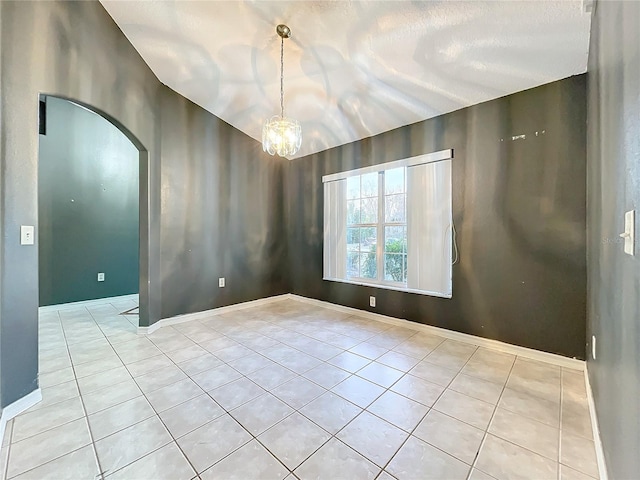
372 301
27 235
221 282
101 277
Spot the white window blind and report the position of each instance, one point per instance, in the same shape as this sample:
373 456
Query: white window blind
411 249
335 229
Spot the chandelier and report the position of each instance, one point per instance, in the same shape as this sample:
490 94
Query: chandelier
280 134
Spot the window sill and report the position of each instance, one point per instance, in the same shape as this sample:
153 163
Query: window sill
389 287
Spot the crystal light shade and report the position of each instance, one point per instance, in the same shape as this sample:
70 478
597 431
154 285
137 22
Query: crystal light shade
281 135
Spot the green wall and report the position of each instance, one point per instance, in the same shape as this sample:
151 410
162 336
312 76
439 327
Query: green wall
87 207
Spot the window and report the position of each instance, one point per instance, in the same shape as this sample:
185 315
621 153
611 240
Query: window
389 225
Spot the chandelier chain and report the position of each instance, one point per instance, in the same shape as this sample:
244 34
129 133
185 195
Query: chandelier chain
282 77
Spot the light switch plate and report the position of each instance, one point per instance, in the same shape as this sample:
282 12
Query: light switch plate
27 234
629 232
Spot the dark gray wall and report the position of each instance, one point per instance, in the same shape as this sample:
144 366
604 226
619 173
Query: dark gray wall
70 50
210 226
87 207
613 188
222 213
518 207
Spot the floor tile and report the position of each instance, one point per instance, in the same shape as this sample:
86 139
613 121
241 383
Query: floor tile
470 410
490 365
452 354
575 416
531 406
200 364
505 461
91 368
150 382
368 350
297 392
130 444
452 436
232 353
330 411
236 393
578 453
434 373
418 389
206 445
358 391
191 414
294 439
79 464
349 361
123 415
110 396
61 440
417 459
326 375
250 363
38 421
573 384
568 473
380 374
528 433
398 410
174 394
261 413
216 377
104 379
398 361
416 349
385 476
373 438
334 456
166 463
271 376
477 388
479 475
460 382
56 377
56 394
536 378
250 461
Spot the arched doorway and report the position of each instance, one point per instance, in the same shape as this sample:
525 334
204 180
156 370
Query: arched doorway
143 220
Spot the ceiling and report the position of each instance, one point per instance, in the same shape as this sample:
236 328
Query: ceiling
353 69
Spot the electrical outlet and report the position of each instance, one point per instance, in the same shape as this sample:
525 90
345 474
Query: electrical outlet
593 346
372 301
101 277
27 234
221 282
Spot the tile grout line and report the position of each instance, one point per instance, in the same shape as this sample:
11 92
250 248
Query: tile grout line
493 414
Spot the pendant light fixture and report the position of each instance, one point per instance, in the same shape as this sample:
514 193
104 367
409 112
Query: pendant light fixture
280 134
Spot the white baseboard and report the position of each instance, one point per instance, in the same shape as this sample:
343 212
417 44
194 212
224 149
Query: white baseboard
595 426
525 352
16 408
87 303
208 313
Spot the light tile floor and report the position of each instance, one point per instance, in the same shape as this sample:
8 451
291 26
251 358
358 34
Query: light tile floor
290 390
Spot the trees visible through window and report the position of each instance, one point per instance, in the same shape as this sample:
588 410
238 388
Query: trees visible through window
390 225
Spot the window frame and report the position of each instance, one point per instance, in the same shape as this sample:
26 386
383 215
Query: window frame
333 240
380 227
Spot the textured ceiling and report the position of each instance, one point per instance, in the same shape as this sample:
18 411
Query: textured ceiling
353 68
